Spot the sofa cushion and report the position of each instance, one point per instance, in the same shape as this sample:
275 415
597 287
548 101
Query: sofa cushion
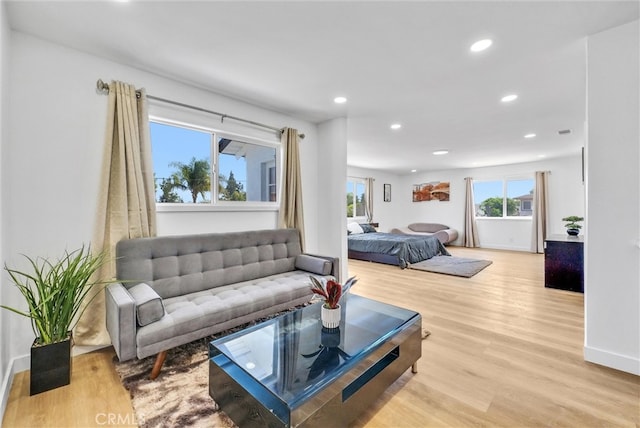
313 264
177 265
149 307
195 311
427 227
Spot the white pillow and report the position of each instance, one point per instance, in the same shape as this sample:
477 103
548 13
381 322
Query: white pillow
354 228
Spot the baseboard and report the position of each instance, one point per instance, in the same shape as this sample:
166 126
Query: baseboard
16 365
610 359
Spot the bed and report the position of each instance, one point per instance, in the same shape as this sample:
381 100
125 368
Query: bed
393 249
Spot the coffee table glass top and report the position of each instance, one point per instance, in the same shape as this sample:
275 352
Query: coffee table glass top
293 357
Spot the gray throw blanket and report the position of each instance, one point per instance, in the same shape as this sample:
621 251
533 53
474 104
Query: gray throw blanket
409 249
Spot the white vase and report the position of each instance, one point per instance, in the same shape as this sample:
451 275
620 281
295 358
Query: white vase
330 317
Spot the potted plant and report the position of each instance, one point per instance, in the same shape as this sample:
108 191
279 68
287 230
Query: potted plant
573 226
54 292
331 293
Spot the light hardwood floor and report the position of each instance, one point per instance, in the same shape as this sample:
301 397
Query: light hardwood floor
504 351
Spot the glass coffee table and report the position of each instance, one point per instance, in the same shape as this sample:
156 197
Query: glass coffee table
290 371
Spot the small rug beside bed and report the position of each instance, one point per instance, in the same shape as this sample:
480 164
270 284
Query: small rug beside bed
450 265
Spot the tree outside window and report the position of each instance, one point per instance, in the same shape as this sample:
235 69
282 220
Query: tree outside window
504 198
189 164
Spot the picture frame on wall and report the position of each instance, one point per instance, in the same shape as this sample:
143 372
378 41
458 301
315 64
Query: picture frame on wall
387 192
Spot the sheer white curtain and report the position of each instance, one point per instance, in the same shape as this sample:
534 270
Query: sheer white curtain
368 198
291 214
540 207
470 227
126 197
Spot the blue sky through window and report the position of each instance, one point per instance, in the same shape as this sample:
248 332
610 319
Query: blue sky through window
176 144
483 190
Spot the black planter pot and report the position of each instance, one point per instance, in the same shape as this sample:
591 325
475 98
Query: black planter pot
573 232
50 366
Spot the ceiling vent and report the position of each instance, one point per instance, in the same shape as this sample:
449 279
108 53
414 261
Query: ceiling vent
564 132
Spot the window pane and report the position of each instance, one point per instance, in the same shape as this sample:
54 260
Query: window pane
350 191
182 163
246 171
360 200
520 197
488 198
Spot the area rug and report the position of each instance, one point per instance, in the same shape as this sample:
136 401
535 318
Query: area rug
450 265
179 397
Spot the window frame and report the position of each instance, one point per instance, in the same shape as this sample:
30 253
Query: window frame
215 204
356 181
505 181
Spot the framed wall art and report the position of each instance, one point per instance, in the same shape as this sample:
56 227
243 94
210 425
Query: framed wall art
387 192
433 191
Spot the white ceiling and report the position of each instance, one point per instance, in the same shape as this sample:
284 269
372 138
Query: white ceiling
406 62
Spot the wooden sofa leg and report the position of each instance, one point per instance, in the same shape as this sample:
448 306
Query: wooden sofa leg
158 365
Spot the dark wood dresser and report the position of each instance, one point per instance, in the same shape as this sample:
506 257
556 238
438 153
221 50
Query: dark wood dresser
564 262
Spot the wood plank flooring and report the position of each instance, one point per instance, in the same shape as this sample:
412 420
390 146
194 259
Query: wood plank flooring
504 351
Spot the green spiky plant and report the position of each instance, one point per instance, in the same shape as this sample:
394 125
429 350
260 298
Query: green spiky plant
55 291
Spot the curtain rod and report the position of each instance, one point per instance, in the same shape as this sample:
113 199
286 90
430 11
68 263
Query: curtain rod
104 88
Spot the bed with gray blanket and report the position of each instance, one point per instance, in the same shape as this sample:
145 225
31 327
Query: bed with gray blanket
389 248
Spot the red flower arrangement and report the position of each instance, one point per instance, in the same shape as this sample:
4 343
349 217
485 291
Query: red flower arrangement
332 292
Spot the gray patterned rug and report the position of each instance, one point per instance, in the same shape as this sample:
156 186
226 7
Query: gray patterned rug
179 397
450 265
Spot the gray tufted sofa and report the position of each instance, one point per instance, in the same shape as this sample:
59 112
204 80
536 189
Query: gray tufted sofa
176 289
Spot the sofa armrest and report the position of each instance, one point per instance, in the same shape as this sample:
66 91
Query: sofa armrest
335 264
121 320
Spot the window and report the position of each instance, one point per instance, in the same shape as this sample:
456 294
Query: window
504 198
355 197
198 166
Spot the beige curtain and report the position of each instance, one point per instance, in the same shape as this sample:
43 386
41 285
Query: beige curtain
291 214
540 207
368 199
126 198
470 227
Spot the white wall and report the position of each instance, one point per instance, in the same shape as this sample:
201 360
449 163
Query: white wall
331 195
612 284
4 120
54 148
566 197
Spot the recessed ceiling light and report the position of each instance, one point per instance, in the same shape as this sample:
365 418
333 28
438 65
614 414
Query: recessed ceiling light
396 126
481 45
413 170
440 152
532 135
508 98
340 100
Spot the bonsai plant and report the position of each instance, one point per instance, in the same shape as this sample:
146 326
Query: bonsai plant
54 292
331 293
573 226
